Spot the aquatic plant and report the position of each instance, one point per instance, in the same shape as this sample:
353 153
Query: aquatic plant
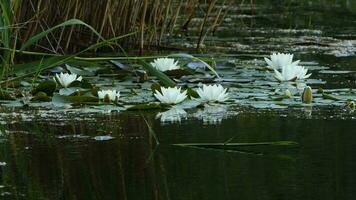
165 64
151 21
279 60
171 95
307 95
291 73
212 93
109 95
65 79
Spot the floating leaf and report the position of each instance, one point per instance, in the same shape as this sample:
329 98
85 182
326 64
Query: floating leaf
121 66
41 97
184 55
68 91
74 99
146 106
331 97
47 87
78 71
196 65
177 73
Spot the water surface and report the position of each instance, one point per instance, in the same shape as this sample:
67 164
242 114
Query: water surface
81 154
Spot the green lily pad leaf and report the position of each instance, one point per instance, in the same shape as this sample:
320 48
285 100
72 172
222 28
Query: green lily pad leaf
331 97
119 65
184 55
68 91
61 99
188 104
335 72
81 84
109 107
41 97
177 73
201 80
78 71
279 98
146 106
47 87
196 65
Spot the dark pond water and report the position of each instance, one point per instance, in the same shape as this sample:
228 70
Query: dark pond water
97 156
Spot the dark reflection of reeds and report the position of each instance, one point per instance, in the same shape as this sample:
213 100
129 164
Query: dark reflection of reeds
44 164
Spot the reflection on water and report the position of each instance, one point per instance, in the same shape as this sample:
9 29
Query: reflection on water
40 165
174 114
212 114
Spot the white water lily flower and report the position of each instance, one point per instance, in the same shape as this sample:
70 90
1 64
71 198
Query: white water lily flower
112 94
171 95
279 60
165 64
212 93
65 79
291 72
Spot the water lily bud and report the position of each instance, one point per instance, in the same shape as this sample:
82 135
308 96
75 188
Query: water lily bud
287 93
351 104
320 90
307 96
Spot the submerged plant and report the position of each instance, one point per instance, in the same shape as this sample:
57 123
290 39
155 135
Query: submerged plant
171 95
279 60
65 79
165 64
291 73
212 93
109 95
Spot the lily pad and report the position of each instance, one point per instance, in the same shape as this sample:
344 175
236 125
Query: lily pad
41 97
177 73
145 106
47 87
61 99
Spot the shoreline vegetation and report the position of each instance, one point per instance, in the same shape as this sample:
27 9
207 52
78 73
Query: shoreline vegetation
54 33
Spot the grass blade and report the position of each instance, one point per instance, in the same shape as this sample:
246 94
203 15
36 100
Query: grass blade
43 34
161 76
184 55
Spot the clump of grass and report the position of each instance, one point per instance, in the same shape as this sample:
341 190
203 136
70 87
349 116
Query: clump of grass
151 19
36 28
